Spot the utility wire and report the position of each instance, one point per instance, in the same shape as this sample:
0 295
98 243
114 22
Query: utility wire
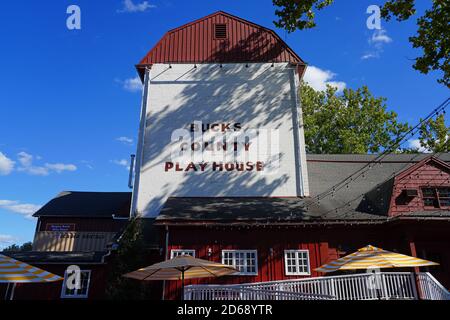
347 181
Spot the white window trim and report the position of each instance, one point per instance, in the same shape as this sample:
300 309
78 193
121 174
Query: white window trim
296 273
234 262
77 296
173 251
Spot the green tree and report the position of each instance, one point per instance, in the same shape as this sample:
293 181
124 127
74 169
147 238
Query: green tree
435 135
354 122
432 35
131 255
27 246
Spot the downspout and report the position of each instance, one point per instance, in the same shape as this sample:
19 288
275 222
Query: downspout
301 171
166 254
140 145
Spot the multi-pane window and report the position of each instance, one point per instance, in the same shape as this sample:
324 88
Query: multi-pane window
436 197
296 262
246 261
73 288
180 252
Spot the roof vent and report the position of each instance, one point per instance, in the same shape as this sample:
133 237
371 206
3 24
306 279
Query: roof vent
410 193
220 31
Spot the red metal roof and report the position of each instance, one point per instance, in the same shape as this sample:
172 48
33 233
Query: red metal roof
195 43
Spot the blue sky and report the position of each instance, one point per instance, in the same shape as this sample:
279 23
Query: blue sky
69 99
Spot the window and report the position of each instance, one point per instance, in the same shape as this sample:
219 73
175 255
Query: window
296 262
220 31
179 252
82 292
436 197
243 260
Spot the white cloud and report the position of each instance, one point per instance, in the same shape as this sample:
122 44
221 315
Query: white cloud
380 36
369 56
6 165
319 79
6 240
125 140
88 164
122 162
415 144
26 162
376 42
25 159
25 209
132 84
129 6
60 167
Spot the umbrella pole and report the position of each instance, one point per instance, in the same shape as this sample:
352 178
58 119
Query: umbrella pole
182 284
7 291
12 291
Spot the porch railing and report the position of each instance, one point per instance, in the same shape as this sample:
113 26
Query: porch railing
364 286
231 293
430 288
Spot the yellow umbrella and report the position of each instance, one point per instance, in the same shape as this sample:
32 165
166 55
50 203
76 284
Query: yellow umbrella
373 257
180 268
14 271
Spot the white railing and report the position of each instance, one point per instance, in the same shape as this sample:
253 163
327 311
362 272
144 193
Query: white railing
239 293
364 286
430 288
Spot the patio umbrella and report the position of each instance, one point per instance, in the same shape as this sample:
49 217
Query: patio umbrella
180 268
13 271
373 257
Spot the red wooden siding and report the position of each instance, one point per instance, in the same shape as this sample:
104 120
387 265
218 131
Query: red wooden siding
52 291
195 43
429 173
270 243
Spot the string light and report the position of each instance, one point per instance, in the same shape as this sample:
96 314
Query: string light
345 182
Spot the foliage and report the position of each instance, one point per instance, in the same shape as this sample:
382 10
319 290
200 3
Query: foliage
435 135
130 256
27 246
432 34
354 122
298 14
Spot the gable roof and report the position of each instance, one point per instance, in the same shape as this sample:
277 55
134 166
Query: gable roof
87 204
194 42
365 199
430 159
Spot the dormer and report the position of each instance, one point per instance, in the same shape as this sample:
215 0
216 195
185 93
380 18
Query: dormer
424 186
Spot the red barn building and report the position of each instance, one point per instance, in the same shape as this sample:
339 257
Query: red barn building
401 204
75 228
231 73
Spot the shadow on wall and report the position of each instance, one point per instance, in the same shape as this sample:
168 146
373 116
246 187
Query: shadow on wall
255 95
258 46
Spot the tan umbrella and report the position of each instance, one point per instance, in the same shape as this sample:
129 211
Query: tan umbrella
180 268
373 257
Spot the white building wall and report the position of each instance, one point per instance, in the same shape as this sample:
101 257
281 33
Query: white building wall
260 96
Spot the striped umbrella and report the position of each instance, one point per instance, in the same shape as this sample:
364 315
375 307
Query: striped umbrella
373 257
13 271
180 268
